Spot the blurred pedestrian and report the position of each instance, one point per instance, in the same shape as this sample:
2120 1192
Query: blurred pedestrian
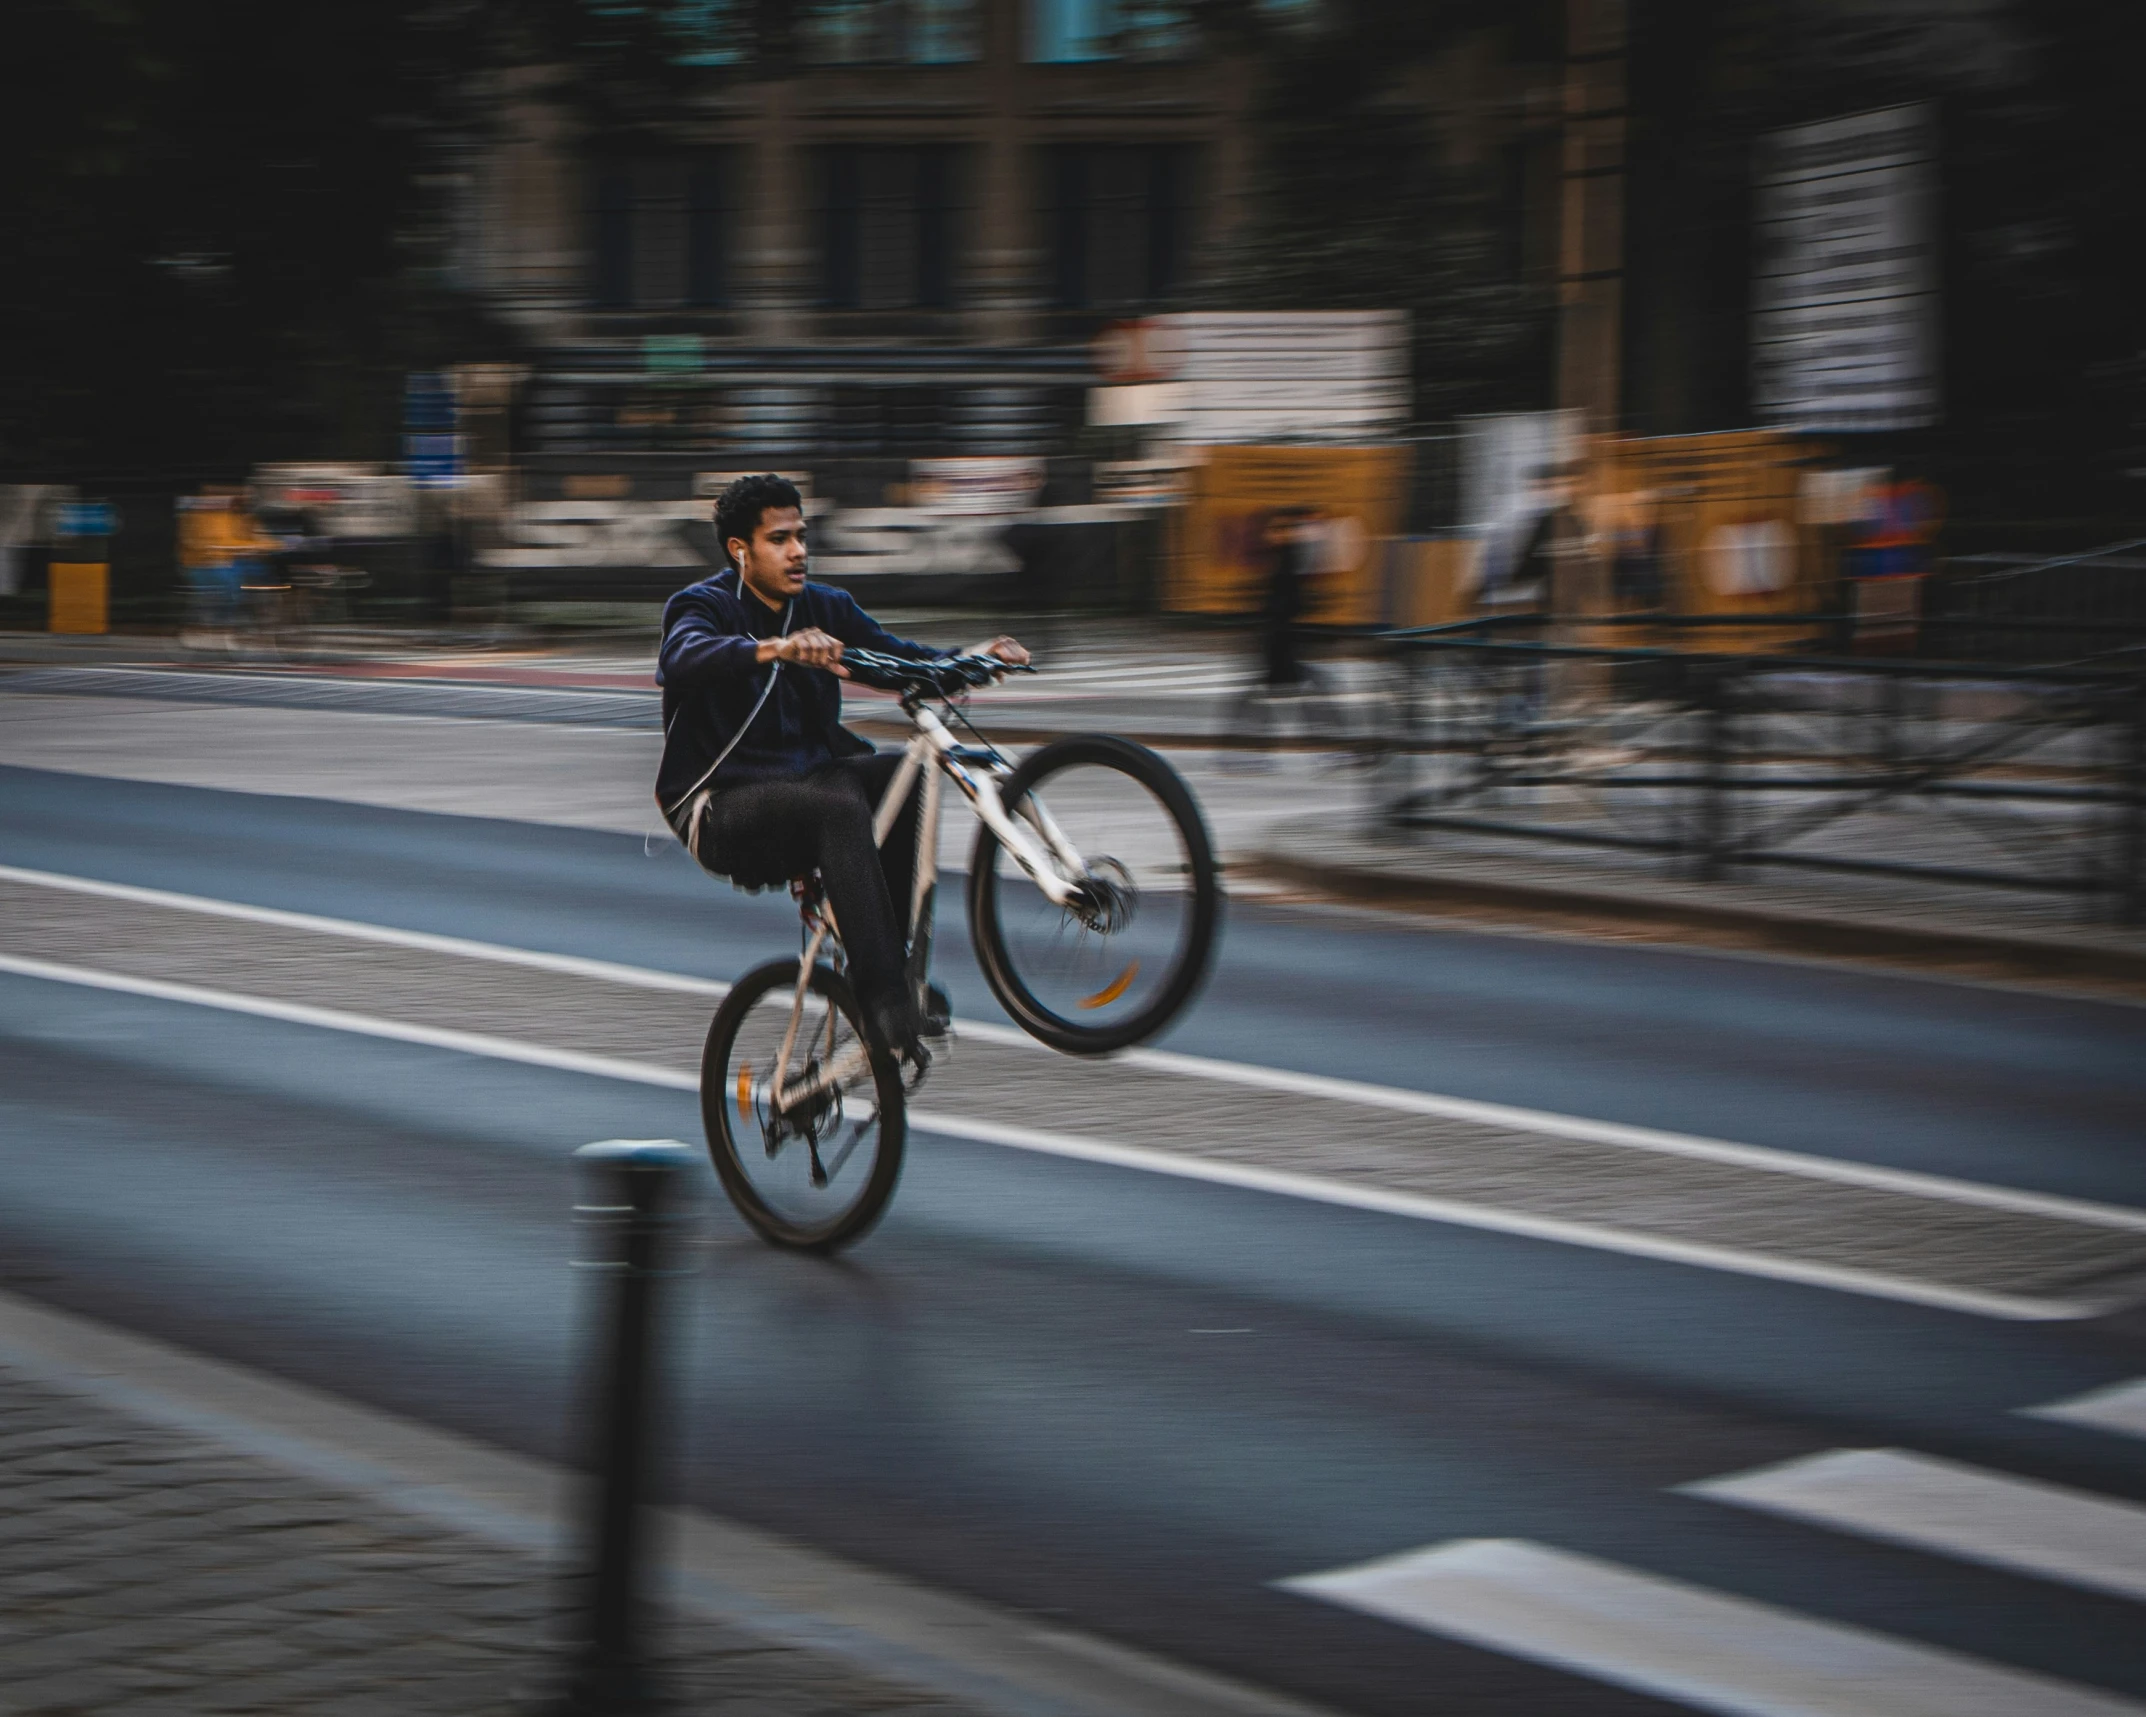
1289 538
217 542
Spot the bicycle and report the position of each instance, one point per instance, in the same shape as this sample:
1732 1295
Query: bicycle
1089 951
280 607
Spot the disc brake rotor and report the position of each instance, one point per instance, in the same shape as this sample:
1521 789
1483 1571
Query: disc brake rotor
1103 905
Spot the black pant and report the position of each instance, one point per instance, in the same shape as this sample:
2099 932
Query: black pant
1282 665
764 832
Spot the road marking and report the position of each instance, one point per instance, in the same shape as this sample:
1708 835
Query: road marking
2121 1408
1596 1237
357 1024
2047 1531
1641 1138
640 977
1245 1176
1683 1642
1392 1098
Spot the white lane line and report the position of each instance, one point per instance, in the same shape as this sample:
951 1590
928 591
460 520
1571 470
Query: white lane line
1872 1284
2120 1408
1684 1642
639 977
1642 1139
1611 1133
359 1025
1598 1237
2047 1531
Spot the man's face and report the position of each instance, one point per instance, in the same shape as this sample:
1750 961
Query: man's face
773 563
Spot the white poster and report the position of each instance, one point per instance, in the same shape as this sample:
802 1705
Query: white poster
1218 376
1510 463
1844 329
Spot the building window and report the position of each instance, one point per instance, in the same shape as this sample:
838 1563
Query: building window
1119 222
1292 14
709 32
888 32
1063 31
657 239
890 226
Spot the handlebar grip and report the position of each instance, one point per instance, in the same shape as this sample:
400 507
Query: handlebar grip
941 675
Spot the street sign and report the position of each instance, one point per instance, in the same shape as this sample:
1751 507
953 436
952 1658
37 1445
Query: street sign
85 519
1844 307
432 451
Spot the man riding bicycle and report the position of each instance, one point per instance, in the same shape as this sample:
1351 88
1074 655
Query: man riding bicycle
759 778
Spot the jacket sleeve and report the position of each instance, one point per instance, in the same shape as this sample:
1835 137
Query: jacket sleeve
700 644
855 627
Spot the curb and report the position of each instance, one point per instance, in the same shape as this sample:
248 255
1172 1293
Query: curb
1780 928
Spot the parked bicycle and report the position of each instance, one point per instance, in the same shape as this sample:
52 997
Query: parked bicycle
1093 908
289 599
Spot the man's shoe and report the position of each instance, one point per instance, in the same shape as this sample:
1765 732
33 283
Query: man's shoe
899 1030
938 1011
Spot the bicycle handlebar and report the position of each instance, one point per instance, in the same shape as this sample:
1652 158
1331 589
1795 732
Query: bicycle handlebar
937 676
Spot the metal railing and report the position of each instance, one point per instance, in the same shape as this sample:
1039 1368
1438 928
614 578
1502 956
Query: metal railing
1725 763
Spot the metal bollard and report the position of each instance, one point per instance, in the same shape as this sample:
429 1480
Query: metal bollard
630 1212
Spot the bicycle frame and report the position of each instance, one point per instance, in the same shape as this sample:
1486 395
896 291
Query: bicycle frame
933 756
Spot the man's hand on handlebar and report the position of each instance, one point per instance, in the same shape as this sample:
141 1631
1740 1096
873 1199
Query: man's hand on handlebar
1005 649
810 648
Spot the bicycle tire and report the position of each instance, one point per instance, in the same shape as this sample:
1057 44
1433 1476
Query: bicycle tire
720 1119
986 927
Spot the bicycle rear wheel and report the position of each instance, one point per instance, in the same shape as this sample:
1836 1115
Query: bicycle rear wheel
1114 966
816 1171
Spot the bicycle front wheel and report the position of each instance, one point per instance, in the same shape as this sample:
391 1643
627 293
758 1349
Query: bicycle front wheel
807 1147
1117 962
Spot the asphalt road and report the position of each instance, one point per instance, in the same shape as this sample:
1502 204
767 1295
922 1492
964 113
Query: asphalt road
1133 1402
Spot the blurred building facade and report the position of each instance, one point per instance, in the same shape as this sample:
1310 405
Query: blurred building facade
903 242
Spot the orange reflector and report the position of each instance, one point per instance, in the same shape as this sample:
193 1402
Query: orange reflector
1111 992
745 1092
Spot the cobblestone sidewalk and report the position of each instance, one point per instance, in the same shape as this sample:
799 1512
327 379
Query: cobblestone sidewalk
146 1572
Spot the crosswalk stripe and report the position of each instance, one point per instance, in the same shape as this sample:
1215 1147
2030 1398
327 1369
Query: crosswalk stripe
2121 1408
1683 1642
2044 1530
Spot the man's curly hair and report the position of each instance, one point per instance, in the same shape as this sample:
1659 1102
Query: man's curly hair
739 508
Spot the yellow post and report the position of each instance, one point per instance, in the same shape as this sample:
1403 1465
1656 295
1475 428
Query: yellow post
80 597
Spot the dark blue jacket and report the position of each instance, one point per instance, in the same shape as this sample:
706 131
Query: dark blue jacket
710 683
